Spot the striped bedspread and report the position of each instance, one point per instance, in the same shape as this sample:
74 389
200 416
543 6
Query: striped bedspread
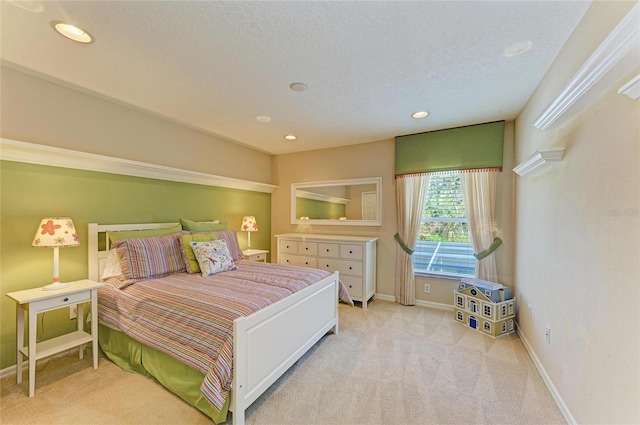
190 317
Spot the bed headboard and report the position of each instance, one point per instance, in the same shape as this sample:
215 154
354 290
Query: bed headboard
97 257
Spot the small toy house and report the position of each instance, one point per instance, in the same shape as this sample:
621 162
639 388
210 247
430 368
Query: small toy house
485 306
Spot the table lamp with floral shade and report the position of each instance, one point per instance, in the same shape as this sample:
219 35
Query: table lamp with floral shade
56 232
249 225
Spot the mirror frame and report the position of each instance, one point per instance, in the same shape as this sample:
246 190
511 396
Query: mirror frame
330 222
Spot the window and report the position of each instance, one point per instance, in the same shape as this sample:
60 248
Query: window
444 244
473 306
487 310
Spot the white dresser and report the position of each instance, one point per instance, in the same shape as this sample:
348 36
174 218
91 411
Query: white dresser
353 256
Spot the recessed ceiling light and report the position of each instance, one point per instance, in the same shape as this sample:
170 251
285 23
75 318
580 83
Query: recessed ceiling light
290 137
517 48
419 114
263 118
72 32
298 86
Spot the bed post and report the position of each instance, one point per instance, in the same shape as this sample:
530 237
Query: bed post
335 327
94 268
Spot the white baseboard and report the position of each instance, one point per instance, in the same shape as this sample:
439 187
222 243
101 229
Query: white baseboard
385 297
11 370
439 306
547 380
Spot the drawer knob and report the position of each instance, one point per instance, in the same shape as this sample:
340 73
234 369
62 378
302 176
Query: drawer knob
327 250
350 268
350 252
306 262
350 286
66 299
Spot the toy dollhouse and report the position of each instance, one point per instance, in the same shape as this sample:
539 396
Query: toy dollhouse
485 306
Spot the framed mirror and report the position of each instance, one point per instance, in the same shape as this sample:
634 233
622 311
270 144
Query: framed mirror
354 202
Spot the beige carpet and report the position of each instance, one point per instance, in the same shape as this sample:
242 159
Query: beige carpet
388 365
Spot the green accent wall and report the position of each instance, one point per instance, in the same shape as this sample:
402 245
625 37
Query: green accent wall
30 192
319 210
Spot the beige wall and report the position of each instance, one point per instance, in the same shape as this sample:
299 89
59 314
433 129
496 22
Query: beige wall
365 160
38 111
578 239
377 159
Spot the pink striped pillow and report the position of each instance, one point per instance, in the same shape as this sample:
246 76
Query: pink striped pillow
149 258
231 238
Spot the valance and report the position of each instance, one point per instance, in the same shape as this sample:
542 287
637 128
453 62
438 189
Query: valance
463 148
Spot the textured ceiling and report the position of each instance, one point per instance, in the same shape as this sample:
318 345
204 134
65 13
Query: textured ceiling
216 66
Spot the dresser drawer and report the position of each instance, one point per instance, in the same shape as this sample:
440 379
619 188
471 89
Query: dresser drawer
288 247
299 260
350 267
353 268
61 301
354 286
351 252
308 248
328 250
354 257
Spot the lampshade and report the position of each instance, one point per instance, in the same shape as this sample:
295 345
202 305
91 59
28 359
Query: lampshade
55 232
249 224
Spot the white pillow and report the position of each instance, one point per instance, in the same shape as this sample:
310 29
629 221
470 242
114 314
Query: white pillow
213 257
112 266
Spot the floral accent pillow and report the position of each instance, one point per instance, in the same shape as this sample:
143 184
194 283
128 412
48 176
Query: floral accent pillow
213 257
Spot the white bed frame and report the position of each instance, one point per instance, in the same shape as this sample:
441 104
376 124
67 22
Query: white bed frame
268 342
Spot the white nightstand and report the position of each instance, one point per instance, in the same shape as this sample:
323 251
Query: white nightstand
38 301
255 255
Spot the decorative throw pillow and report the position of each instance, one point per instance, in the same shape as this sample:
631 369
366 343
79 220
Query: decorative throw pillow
128 234
149 258
190 261
203 226
231 238
213 257
112 266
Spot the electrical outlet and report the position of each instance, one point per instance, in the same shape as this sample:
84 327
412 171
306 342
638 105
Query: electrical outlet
73 312
427 288
547 334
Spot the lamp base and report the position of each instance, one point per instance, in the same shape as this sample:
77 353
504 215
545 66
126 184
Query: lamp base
55 286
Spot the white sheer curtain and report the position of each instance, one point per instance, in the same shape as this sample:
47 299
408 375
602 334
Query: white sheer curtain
479 188
410 197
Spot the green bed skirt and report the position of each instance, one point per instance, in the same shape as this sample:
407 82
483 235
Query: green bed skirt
133 356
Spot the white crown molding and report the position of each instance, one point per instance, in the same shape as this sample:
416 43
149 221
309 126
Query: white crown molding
13 150
538 159
622 42
320 197
631 88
